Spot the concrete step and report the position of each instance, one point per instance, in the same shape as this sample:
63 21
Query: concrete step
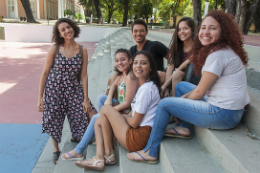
45 163
91 152
176 155
94 79
65 165
127 166
232 150
251 117
105 70
253 74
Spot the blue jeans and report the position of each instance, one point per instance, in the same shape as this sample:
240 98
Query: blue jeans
90 133
197 112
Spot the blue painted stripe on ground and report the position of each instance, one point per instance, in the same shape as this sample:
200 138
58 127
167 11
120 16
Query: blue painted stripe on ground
20 147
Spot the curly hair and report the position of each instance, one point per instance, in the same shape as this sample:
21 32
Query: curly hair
154 76
230 37
176 45
56 34
129 56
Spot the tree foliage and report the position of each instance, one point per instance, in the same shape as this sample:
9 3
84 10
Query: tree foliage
111 6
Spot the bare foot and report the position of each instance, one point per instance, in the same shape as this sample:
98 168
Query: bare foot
136 157
181 130
65 156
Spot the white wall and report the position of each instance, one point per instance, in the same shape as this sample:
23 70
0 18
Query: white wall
43 33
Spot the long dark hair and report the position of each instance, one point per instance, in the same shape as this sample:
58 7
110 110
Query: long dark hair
230 37
56 34
176 45
153 73
129 56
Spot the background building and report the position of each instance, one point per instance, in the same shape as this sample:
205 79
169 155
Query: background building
14 8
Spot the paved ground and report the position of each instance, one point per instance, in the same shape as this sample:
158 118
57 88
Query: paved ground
22 142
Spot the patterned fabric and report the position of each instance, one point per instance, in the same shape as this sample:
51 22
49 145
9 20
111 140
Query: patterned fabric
64 96
121 90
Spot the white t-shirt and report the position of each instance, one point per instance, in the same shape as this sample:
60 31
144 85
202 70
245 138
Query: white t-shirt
229 91
145 102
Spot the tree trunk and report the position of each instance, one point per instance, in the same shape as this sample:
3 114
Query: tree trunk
197 11
238 11
109 16
125 13
99 14
231 6
139 9
256 20
250 15
243 8
27 8
155 15
131 13
216 5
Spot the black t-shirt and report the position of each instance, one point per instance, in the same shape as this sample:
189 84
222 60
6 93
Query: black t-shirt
157 49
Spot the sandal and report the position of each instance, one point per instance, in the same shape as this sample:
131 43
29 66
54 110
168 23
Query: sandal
93 166
108 161
177 135
56 156
71 157
74 140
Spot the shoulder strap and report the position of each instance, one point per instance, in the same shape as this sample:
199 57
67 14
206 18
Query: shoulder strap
57 49
81 56
81 51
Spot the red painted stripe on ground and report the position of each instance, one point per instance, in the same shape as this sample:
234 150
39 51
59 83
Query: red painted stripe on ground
21 65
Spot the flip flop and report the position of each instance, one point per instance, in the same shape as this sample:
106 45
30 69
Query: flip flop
144 160
72 158
177 135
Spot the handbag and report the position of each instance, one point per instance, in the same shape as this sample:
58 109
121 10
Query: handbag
190 76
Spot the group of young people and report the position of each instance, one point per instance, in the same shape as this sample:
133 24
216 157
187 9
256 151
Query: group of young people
139 116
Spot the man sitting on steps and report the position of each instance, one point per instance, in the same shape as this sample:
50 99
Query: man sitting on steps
156 48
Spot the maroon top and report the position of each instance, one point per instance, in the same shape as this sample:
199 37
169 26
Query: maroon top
185 56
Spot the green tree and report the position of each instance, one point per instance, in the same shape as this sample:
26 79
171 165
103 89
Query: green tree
125 3
146 9
111 6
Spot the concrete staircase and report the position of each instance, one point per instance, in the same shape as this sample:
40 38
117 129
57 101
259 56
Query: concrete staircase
209 151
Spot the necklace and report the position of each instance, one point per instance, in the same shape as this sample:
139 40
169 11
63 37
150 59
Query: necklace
73 49
65 51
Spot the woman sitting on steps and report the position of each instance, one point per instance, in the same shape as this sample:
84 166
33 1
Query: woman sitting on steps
131 130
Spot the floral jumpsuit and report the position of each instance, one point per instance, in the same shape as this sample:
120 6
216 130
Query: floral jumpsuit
64 96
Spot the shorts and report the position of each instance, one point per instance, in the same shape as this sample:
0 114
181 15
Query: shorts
136 139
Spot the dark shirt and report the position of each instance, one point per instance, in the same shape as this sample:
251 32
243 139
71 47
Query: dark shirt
157 49
184 56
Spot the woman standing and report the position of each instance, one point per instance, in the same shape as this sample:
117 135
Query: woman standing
180 47
219 99
65 66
